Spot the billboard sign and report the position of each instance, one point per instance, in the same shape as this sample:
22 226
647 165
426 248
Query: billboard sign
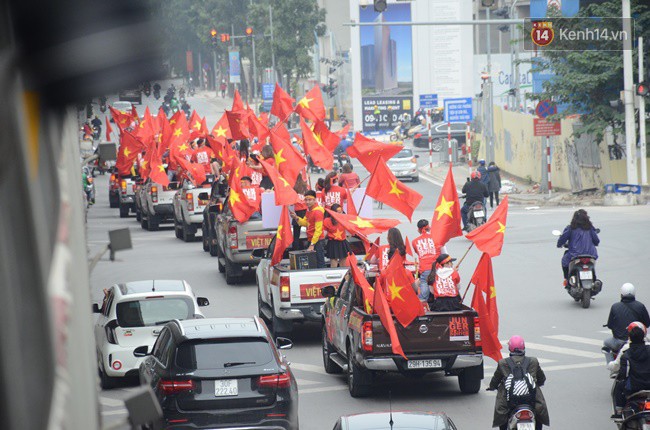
234 67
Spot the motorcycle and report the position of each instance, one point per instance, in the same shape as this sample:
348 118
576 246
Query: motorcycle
522 417
583 284
636 413
89 186
404 131
191 91
102 104
476 215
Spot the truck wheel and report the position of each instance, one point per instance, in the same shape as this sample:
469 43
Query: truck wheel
213 248
143 222
222 268
259 308
469 382
138 215
229 270
177 230
359 380
124 211
586 299
279 327
153 223
205 239
330 366
188 236
105 381
113 202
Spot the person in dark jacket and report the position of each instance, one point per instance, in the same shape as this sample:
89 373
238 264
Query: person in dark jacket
634 374
494 183
475 191
517 348
621 315
581 238
485 178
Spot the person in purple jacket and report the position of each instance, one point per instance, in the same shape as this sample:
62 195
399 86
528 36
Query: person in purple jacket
582 239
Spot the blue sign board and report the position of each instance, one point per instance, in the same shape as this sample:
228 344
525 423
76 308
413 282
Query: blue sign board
267 91
458 110
428 101
234 67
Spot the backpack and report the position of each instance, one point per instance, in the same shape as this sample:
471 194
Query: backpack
519 384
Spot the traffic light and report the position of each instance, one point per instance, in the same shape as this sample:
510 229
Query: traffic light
380 5
249 31
642 89
213 37
225 37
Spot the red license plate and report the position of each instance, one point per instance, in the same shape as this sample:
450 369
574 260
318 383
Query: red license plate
253 242
313 291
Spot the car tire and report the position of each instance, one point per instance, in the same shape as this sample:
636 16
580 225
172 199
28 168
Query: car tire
416 179
213 249
177 230
359 380
228 272
138 215
105 381
187 235
124 211
279 327
153 223
436 144
144 222
260 305
330 366
205 241
469 381
113 202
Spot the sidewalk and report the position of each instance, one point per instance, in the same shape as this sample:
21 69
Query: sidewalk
524 194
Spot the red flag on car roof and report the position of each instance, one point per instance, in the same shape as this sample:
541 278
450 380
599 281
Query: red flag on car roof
360 279
314 147
284 192
237 103
238 124
287 159
241 207
365 226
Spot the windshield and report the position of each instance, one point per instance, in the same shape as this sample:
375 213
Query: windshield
122 106
224 353
404 153
153 312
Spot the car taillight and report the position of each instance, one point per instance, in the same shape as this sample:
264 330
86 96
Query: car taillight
367 336
417 136
173 387
524 414
477 333
285 290
110 332
646 405
190 201
281 380
154 194
123 186
585 260
232 235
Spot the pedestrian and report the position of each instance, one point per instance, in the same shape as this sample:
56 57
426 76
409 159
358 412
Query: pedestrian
338 246
484 173
494 182
313 220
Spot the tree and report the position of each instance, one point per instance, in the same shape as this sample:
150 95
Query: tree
584 82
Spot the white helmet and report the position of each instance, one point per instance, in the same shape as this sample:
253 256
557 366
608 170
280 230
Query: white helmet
627 289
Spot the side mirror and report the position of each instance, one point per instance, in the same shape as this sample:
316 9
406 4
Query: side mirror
328 291
417 156
141 351
259 253
202 301
283 343
96 309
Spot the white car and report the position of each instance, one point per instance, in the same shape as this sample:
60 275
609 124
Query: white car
132 315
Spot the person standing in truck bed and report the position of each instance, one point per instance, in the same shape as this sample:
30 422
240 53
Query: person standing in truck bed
313 220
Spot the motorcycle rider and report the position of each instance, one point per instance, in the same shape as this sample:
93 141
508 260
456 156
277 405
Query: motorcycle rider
581 238
475 191
517 348
634 374
621 315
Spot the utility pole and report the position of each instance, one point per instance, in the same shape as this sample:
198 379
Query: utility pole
642 142
214 71
514 57
629 94
489 149
275 76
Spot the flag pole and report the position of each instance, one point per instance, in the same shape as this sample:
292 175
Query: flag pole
464 255
365 194
466 290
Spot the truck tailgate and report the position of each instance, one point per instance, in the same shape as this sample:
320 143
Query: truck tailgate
431 333
252 235
306 284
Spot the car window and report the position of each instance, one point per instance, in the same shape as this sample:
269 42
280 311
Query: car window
224 353
109 303
166 350
150 312
344 289
404 153
161 342
337 426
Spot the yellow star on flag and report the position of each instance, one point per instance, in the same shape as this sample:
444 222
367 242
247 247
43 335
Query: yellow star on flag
234 197
394 189
285 182
362 223
144 164
304 102
394 290
493 292
172 121
123 121
126 152
177 132
502 228
319 140
197 125
183 147
444 208
237 172
142 123
221 132
278 235
278 158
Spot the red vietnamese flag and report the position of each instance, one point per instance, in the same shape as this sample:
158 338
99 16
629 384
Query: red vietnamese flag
109 129
157 171
195 171
238 124
282 103
134 114
343 132
284 193
311 106
365 226
489 334
283 237
178 146
483 278
241 207
314 147
281 130
145 130
445 223
196 126
256 128
237 103
221 129
407 245
223 150
288 160
130 147
367 151
488 238
325 136
382 309
122 120
372 249
264 119
361 281
399 286
351 209
385 187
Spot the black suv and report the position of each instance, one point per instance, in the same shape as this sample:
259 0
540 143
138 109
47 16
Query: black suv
221 373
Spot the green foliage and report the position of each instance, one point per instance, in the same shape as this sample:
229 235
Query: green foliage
585 81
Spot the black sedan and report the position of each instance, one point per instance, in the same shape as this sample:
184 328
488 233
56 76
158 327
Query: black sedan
395 421
221 373
439 135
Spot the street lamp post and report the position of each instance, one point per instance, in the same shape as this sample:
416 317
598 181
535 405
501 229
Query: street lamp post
489 149
628 90
514 57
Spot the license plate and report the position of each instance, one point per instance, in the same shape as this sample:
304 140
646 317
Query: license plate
258 241
525 426
225 388
586 275
479 214
424 364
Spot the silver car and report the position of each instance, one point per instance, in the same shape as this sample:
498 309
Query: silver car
404 165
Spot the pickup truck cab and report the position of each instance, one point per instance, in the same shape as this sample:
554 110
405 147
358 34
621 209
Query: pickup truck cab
286 296
126 196
357 343
188 203
156 204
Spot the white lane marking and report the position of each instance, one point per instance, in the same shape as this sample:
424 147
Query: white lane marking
427 178
560 350
323 389
308 368
573 366
116 412
576 339
107 401
305 382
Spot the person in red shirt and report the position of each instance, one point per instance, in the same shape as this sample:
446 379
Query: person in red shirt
338 246
427 252
333 194
443 283
253 193
204 155
348 178
300 208
313 220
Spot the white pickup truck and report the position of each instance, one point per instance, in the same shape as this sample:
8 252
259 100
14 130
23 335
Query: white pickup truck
189 203
126 196
156 204
286 296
